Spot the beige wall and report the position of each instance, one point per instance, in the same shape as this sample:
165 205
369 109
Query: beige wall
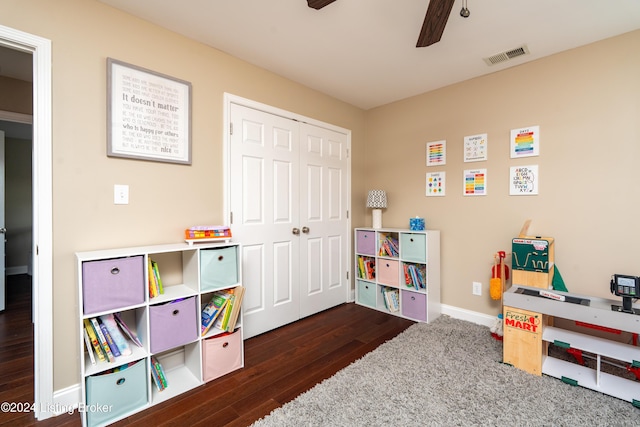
587 104
585 101
164 198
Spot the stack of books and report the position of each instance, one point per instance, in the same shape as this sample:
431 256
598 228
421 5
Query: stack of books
105 338
414 276
222 311
366 268
389 247
391 298
157 374
155 282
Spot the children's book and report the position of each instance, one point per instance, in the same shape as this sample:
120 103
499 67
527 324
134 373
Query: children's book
153 286
102 340
120 341
158 280
157 374
237 305
112 344
128 332
212 310
88 328
87 342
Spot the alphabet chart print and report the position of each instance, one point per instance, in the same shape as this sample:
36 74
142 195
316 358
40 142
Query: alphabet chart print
523 180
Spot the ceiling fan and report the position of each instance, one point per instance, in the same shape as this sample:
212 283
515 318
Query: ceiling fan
434 21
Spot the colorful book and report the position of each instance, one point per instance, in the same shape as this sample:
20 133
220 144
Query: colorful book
237 305
211 311
88 327
158 280
112 344
87 342
128 332
153 288
158 375
362 274
120 341
102 340
156 378
224 317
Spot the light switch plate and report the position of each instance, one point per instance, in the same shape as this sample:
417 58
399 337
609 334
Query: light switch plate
121 194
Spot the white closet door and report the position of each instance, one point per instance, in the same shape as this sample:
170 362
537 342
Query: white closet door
264 190
323 219
288 184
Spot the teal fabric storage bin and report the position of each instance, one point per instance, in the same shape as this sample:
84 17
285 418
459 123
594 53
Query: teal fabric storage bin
218 268
367 293
413 247
110 396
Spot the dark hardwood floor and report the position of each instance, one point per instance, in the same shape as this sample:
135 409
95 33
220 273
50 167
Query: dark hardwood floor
279 365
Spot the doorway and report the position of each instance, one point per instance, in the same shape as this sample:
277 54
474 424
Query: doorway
42 245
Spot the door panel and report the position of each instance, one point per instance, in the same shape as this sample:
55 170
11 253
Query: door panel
264 153
253 279
323 208
290 214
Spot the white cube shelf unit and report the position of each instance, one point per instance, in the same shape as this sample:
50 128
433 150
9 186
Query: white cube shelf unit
398 272
168 325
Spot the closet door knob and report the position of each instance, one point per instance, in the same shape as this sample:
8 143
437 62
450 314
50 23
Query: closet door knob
296 231
305 230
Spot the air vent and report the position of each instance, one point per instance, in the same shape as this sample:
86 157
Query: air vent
507 55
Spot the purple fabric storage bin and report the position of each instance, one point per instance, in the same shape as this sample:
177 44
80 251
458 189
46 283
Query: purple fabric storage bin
366 242
173 324
112 283
414 305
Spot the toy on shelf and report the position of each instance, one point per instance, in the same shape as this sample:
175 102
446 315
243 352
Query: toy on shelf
207 233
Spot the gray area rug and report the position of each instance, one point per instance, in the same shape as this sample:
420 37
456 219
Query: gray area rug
447 373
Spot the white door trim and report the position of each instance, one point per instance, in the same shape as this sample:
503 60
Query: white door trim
40 49
228 100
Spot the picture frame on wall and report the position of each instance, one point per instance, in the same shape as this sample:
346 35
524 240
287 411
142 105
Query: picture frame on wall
437 153
148 114
525 142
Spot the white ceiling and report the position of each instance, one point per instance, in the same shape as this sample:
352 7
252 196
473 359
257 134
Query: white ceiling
363 51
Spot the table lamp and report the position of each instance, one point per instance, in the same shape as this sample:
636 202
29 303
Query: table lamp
377 199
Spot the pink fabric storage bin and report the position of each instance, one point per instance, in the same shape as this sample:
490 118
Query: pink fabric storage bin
221 355
173 324
387 271
112 283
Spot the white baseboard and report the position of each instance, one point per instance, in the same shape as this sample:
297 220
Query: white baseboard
65 400
469 316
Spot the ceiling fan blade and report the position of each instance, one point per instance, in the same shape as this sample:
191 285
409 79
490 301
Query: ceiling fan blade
434 22
319 4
